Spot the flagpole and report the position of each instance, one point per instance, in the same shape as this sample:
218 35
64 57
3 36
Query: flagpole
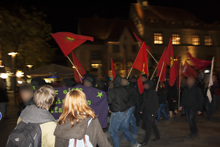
152 56
129 73
159 77
153 73
75 68
179 85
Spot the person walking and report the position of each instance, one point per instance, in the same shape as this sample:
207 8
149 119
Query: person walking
149 108
3 99
192 101
162 94
78 125
117 98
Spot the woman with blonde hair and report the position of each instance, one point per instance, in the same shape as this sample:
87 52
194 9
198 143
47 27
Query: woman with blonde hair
78 126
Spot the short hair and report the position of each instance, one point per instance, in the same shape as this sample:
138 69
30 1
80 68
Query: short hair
44 96
26 87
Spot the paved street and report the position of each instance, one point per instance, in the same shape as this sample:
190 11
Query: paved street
172 135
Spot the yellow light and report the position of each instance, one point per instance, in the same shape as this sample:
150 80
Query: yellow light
4 75
12 53
29 66
19 74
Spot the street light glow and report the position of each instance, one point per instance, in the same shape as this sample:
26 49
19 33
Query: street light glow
29 66
12 53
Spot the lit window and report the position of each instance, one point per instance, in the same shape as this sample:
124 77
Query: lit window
195 40
95 59
208 40
145 3
175 39
158 38
96 63
116 48
118 66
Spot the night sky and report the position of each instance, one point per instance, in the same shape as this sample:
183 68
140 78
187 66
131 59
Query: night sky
63 14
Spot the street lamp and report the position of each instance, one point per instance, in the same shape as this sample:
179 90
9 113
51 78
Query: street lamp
29 66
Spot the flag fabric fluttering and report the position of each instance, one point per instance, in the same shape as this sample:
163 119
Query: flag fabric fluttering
188 71
198 63
140 85
209 95
140 42
80 68
177 68
141 62
170 61
113 70
160 65
68 41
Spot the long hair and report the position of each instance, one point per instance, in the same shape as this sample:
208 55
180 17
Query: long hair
75 108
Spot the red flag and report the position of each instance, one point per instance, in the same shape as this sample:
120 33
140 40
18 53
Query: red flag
80 68
188 71
140 42
177 66
198 63
69 41
159 66
169 60
140 85
113 70
141 62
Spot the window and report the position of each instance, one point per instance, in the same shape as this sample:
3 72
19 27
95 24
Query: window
158 38
95 59
134 48
144 3
118 66
208 40
195 40
175 39
116 48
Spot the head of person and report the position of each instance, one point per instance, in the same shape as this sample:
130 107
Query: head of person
191 81
148 85
26 92
200 76
44 97
88 82
133 79
144 78
75 108
124 82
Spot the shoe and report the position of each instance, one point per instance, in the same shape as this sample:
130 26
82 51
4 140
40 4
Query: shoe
189 135
144 144
155 139
136 145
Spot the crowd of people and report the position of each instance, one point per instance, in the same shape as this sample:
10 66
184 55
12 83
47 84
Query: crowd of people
79 126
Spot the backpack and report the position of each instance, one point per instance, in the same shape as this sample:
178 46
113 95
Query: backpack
83 142
25 135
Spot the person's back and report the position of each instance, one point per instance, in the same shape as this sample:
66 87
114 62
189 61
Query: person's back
78 124
39 114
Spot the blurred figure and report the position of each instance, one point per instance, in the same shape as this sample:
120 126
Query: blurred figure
217 92
144 78
172 99
89 80
149 108
27 92
3 98
117 98
162 94
67 83
78 125
192 101
106 80
73 82
182 88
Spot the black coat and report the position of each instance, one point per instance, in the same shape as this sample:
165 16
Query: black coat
150 102
192 97
162 94
133 97
3 96
172 93
118 97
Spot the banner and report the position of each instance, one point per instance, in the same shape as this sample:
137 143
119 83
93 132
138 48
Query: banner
96 99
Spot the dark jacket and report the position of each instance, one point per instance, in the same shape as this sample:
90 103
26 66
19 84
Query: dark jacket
150 103
192 97
162 94
65 131
3 96
118 97
133 97
172 93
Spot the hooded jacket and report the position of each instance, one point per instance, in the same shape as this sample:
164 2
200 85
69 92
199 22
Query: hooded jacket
32 114
150 102
133 97
192 97
65 132
118 97
162 94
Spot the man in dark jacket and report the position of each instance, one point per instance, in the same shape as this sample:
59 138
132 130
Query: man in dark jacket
192 101
132 103
149 109
117 98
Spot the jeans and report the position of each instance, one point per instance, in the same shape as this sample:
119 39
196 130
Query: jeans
149 122
118 120
131 119
162 109
2 109
190 115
